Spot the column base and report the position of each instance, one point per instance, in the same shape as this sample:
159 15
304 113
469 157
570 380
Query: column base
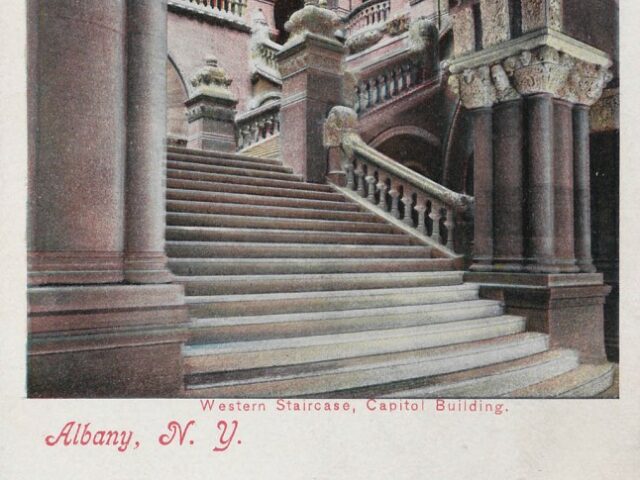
147 268
481 264
106 341
74 267
567 307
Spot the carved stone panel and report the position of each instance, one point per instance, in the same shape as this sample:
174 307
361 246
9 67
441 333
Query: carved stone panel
495 22
534 14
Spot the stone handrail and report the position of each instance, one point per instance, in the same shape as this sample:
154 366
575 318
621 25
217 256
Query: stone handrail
420 203
217 8
368 13
258 124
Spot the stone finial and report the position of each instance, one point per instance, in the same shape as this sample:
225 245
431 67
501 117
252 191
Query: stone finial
341 121
423 35
312 19
212 80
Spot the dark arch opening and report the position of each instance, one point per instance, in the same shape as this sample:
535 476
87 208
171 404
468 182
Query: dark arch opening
282 10
415 153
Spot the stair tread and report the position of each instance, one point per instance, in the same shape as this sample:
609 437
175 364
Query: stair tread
231 162
323 315
209 178
283 230
428 356
293 277
268 211
215 155
272 345
440 383
321 294
262 201
201 168
279 223
565 384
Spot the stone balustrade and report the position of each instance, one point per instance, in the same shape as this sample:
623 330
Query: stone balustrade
265 53
257 125
420 203
219 8
385 85
369 13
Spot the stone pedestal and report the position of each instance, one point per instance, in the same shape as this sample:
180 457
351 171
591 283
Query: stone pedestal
567 307
211 110
96 204
310 65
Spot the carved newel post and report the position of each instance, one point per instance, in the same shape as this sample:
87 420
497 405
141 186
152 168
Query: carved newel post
310 64
211 109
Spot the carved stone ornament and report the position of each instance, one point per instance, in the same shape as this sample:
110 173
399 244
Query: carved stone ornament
398 24
363 39
476 88
312 19
542 70
504 89
605 113
349 83
340 122
212 81
423 35
586 82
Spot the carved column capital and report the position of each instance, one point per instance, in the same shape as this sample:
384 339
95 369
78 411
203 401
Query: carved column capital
475 87
586 82
541 70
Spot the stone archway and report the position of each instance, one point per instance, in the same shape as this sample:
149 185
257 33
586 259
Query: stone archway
177 126
414 148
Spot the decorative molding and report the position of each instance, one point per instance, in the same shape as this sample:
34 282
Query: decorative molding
364 39
398 24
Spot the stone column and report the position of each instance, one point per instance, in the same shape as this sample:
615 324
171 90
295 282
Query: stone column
508 190
76 194
582 188
145 260
211 109
563 186
310 64
483 188
540 212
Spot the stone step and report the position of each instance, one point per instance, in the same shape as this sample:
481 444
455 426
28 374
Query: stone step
225 329
291 250
319 378
221 357
202 168
448 290
261 266
284 283
223 234
584 381
228 162
254 186
257 200
249 209
485 382
213 156
275 223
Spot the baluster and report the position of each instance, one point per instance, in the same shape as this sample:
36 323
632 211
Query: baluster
372 92
406 73
348 168
449 225
371 185
434 215
363 96
255 132
393 87
395 196
382 86
359 172
399 80
407 200
382 190
356 103
421 208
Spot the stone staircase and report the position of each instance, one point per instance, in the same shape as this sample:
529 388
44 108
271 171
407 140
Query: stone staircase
294 290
